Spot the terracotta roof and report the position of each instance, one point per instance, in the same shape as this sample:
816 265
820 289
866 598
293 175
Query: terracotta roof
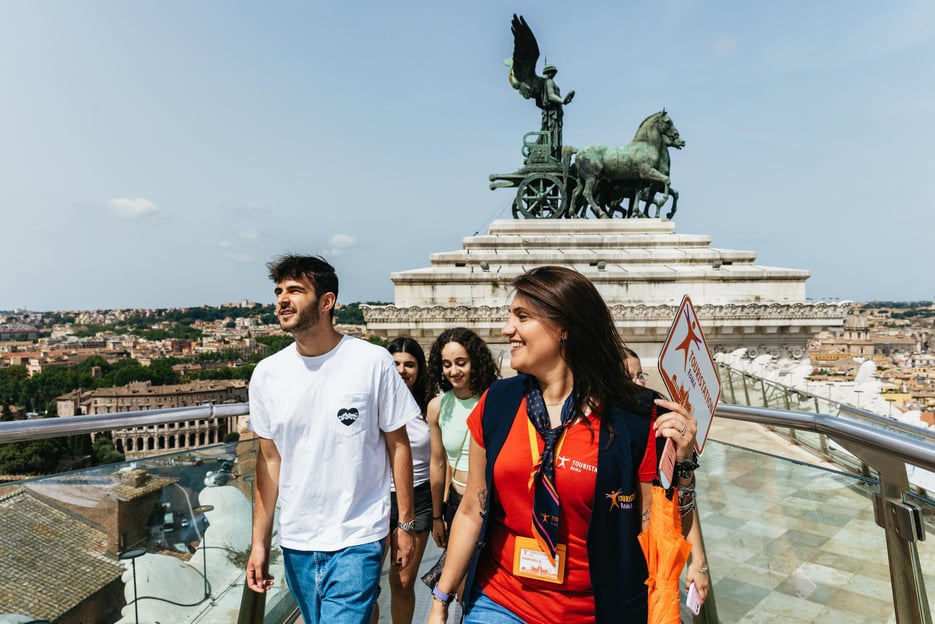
136 483
145 389
53 560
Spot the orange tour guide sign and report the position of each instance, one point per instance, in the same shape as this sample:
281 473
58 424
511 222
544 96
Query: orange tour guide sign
688 370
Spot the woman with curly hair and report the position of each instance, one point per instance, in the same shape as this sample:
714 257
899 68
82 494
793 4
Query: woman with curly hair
461 367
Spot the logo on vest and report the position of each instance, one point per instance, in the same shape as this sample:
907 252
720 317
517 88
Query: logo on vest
620 500
574 465
348 416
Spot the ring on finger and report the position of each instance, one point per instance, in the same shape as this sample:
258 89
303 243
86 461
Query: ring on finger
683 429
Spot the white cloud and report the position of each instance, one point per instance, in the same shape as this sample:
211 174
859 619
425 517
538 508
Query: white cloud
337 244
132 207
240 257
225 244
724 45
249 234
341 241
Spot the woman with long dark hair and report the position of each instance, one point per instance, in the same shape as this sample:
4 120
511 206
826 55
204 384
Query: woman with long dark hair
410 363
557 485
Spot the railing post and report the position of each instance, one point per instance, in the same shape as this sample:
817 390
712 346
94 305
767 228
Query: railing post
733 389
902 531
732 377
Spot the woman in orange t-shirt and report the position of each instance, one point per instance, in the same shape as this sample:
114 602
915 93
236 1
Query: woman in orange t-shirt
557 489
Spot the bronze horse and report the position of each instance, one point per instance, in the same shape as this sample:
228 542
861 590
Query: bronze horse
637 170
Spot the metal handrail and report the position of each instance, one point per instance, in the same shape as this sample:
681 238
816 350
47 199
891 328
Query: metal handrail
915 451
41 428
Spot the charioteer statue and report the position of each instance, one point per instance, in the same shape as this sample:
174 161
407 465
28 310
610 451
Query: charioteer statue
601 178
531 86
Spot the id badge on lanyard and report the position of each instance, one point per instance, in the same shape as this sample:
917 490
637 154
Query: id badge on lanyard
529 560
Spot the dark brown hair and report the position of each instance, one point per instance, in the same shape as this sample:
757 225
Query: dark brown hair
413 348
318 271
592 347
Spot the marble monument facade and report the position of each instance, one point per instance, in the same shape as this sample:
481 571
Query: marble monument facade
642 268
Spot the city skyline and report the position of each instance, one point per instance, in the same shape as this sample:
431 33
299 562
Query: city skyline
158 155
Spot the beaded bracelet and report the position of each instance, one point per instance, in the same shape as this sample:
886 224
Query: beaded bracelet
686 498
685 469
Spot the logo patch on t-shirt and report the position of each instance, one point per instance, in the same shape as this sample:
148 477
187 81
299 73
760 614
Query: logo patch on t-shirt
348 416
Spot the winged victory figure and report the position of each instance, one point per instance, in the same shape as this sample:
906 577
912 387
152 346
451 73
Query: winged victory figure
542 89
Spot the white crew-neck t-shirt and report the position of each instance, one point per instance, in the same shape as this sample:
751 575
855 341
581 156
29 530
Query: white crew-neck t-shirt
326 415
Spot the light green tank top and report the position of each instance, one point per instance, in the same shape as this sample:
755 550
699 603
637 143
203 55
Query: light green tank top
452 419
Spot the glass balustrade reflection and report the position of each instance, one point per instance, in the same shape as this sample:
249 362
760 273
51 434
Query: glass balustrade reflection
789 542
786 541
189 512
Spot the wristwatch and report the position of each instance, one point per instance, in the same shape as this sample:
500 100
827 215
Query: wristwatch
408 527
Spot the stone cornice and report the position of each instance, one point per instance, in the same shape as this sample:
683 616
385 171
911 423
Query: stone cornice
824 313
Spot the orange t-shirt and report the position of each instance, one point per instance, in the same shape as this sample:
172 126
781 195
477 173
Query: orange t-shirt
533 600
650 460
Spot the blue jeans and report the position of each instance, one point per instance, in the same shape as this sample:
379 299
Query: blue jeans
337 587
486 611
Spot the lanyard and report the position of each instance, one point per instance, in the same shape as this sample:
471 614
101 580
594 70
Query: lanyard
534 449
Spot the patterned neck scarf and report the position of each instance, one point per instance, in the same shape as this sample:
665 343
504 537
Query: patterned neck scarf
545 506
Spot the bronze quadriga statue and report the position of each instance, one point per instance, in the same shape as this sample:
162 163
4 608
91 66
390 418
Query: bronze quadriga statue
552 185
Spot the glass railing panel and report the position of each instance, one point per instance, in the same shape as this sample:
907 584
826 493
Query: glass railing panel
785 540
180 523
756 392
793 543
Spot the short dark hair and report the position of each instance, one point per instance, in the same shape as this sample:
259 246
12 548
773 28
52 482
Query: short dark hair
593 348
318 271
484 370
404 344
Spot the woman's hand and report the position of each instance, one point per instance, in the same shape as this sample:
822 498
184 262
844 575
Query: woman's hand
698 574
679 425
440 532
438 614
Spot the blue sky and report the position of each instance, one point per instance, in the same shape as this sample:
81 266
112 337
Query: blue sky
157 154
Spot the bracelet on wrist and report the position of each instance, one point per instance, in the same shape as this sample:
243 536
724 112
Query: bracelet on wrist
685 469
438 517
686 497
442 597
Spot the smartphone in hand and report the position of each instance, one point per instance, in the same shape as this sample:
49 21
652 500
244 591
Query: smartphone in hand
693 600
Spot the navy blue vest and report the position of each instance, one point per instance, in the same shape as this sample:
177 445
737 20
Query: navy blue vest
617 566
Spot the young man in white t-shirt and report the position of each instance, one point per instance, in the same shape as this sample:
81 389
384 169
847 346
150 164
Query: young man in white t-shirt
331 414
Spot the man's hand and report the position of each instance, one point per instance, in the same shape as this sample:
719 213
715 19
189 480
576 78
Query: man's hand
258 576
401 548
